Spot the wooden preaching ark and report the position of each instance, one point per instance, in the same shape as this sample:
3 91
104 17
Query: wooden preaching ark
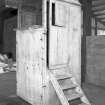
49 51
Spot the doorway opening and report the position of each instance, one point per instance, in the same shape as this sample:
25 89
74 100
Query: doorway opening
8 24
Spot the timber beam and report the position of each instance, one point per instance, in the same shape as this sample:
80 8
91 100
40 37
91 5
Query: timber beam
97 9
99 13
98 3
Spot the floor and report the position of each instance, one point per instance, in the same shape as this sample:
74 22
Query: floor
8 90
95 94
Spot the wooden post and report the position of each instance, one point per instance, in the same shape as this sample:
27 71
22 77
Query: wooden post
1 33
44 3
86 6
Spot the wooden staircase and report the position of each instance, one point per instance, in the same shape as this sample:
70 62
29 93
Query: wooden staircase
67 89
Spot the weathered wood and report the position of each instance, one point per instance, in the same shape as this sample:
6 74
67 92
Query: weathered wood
58 50
58 90
60 10
74 43
58 55
72 95
67 84
63 76
36 46
83 104
29 60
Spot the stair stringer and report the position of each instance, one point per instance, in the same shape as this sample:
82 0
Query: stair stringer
58 90
79 90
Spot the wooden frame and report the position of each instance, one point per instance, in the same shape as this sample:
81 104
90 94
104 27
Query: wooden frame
57 66
33 79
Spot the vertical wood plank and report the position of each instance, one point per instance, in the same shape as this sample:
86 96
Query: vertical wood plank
29 74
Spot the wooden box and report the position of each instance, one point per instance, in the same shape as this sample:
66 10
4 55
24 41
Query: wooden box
51 43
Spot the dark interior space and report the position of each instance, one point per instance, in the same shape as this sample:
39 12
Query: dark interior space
7 30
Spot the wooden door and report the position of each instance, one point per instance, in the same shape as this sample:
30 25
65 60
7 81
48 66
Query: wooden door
58 34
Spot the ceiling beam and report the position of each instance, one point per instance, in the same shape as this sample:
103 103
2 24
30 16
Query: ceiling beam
101 18
102 22
2 3
99 13
95 2
98 5
98 19
98 9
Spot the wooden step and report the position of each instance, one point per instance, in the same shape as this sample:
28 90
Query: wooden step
75 102
58 90
63 76
83 104
66 84
71 94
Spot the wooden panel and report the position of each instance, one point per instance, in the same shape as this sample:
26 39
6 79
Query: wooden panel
75 41
98 2
60 13
29 65
30 15
58 90
58 48
71 47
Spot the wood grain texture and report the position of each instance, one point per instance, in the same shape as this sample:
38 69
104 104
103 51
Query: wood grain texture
75 41
58 90
58 39
73 60
17 3
29 60
65 42
33 81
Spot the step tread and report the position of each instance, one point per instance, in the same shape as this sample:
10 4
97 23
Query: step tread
73 96
68 86
63 76
83 104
